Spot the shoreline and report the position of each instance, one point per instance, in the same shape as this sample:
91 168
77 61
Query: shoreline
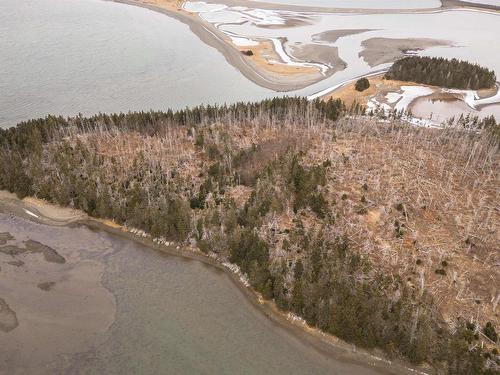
261 76
486 97
36 210
212 37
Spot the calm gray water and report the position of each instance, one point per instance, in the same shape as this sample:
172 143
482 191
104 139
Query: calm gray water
86 56
138 312
442 110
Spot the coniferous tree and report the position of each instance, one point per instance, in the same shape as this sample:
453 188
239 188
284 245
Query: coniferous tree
442 72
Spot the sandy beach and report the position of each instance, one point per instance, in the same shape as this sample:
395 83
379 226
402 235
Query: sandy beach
38 210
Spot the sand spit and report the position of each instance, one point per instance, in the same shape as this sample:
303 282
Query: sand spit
266 60
211 36
38 210
386 50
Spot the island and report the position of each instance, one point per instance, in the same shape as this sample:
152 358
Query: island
330 216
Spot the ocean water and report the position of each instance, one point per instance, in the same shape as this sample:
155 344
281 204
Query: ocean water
87 56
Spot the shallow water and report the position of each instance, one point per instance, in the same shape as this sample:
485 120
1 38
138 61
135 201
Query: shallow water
471 34
472 40
120 308
442 110
87 56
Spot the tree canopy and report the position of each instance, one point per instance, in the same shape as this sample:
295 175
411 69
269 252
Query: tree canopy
442 72
362 84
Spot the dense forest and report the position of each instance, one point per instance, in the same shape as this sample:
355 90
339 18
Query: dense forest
438 71
258 185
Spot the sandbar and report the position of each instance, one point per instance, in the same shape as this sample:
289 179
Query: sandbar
378 51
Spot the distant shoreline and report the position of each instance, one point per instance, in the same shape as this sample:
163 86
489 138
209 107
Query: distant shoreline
445 5
261 76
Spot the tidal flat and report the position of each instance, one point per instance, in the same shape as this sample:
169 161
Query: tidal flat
116 306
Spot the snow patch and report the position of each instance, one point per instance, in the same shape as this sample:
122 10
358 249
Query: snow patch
278 47
138 232
162 241
219 14
468 96
261 17
392 97
295 318
243 42
421 122
31 213
374 105
202 7
236 270
471 98
410 93
490 100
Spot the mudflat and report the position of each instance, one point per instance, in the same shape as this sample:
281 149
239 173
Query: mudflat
52 299
378 51
116 306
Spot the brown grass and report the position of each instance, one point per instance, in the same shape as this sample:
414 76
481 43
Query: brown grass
378 87
264 57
